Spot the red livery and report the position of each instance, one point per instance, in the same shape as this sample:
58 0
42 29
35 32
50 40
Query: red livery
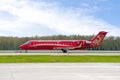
64 45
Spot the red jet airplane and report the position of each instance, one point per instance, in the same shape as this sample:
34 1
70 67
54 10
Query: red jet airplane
64 45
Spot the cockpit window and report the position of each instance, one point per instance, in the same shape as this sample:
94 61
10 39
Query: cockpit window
27 42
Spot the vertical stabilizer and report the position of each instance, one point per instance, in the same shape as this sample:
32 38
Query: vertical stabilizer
98 39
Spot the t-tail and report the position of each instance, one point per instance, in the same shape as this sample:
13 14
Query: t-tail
98 39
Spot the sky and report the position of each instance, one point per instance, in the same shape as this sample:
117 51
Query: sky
24 18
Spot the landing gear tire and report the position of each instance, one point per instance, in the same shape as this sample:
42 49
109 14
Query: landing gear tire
64 51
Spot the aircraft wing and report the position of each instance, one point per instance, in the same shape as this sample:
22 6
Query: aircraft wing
64 48
69 47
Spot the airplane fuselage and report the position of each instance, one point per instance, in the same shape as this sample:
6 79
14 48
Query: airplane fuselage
55 44
64 45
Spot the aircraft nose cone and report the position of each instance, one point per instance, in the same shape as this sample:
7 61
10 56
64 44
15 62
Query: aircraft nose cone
21 46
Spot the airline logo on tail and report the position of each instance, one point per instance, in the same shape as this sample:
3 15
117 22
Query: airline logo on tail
98 39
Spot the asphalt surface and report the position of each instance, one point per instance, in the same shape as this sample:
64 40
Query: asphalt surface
60 71
58 52
99 54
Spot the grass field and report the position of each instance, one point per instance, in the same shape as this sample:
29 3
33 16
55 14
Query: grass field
56 58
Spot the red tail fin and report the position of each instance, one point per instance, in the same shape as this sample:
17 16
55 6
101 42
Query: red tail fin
98 39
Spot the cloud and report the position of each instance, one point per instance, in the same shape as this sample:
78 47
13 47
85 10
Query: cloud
45 18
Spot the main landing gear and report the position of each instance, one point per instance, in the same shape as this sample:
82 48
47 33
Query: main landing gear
64 50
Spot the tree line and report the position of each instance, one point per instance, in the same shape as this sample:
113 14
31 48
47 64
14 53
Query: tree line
12 43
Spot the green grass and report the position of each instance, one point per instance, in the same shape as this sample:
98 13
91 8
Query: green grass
53 59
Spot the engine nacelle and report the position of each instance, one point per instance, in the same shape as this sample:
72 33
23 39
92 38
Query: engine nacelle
84 42
88 42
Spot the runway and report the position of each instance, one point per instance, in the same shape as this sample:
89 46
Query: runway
60 71
72 54
58 52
